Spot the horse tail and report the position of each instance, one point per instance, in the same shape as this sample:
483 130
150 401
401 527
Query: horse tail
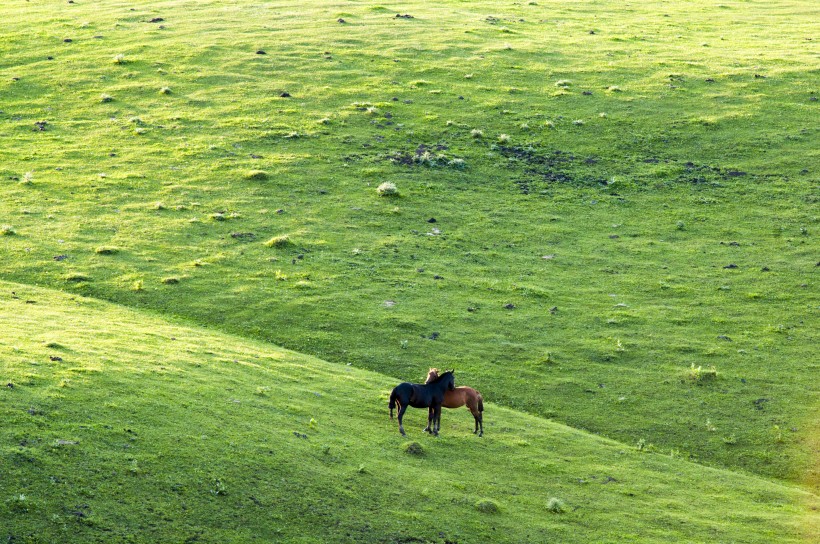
392 404
480 403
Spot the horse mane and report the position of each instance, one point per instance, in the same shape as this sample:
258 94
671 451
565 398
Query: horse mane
432 375
438 376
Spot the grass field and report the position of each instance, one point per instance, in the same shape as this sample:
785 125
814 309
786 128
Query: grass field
121 427
606 221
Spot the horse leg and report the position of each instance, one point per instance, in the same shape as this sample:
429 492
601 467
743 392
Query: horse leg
477 416
430 428
436 419
402 409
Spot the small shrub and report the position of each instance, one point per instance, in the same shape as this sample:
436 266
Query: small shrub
477 133
279 241
555 505
503 138
259 175
487 506
413 448
388 188
7 230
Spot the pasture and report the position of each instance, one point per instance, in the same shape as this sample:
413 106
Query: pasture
602 215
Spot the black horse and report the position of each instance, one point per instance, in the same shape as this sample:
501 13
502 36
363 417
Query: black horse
417 395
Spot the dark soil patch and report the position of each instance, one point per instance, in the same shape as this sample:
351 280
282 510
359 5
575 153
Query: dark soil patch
551 167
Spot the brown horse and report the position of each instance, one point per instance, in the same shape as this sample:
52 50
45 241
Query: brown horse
459 397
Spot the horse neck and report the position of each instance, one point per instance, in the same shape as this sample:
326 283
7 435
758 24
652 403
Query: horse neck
441 384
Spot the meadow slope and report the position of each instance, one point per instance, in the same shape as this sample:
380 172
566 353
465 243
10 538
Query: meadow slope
607 213
120 426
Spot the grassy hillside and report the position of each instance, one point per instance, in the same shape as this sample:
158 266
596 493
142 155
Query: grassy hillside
122 427
595 200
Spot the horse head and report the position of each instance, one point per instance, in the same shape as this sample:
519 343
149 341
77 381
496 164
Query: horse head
450 379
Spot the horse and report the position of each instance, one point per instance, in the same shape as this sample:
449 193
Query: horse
429 395
459 397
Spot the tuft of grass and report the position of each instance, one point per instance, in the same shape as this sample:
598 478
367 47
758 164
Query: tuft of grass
104 98
257 175
555 505
487 506
412 448
77 277
106 250
699 374
281 241
171 280
7 230
165 90
388 188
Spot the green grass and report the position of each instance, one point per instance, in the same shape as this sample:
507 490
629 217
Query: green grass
122 426
595 200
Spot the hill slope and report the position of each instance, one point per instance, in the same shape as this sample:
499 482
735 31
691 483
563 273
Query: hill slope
622 195
120 426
